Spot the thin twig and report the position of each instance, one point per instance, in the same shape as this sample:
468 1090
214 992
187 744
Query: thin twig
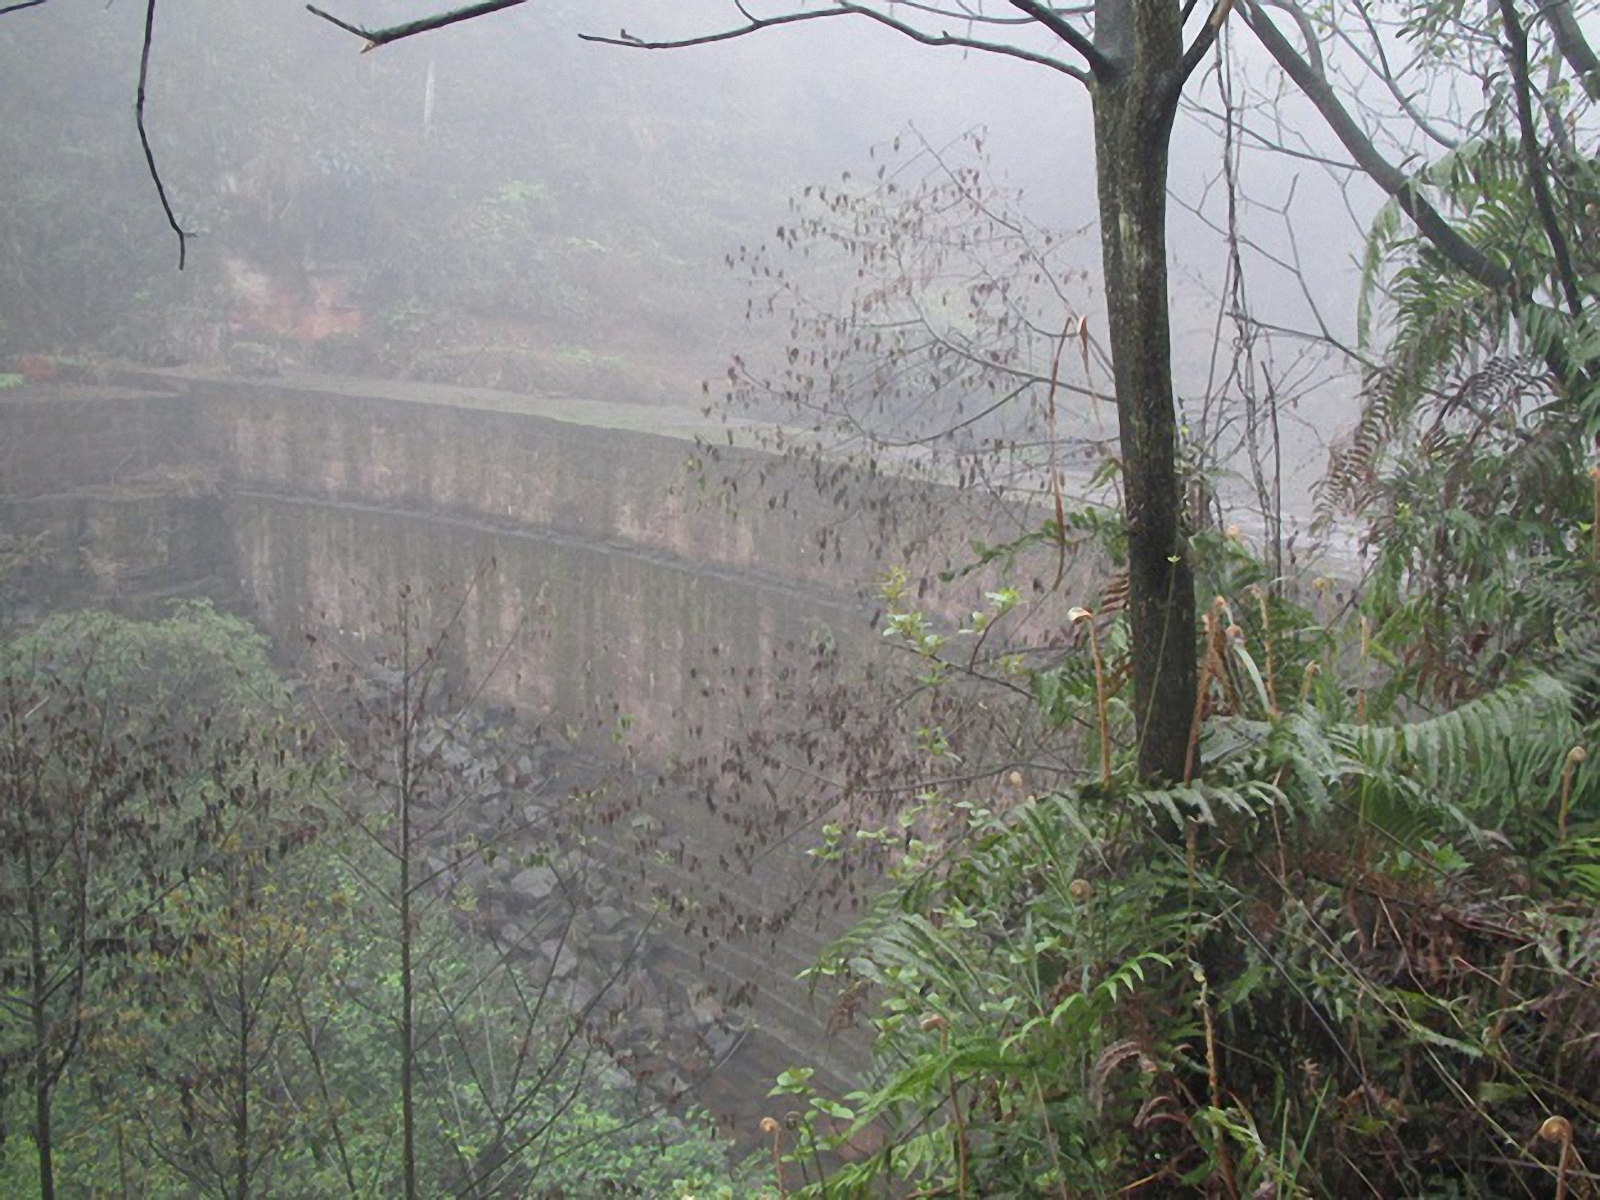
144 136
394 33
756 24
1055 451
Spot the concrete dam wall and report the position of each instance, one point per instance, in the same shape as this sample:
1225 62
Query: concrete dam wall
632 579
308 504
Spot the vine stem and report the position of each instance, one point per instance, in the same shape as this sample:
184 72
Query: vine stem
961 1126
770 1126
1214 1077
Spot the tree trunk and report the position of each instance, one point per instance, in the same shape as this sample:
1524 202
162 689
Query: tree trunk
404 798
241 1066
1134 108
39 1009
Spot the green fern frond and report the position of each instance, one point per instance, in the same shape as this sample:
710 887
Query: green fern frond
1382 237
1476 766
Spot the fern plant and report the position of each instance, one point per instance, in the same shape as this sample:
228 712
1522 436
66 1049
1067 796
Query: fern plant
1364 964
1470 460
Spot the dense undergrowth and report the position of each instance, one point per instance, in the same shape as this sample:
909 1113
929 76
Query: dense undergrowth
1356 953
206 985
1355 950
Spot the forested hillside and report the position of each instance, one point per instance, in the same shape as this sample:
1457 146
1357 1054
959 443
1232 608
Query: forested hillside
1264 864
510 211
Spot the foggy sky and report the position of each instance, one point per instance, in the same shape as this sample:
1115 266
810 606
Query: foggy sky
818 95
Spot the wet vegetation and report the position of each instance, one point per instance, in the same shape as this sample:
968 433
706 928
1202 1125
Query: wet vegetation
231 969
441 213
1337 936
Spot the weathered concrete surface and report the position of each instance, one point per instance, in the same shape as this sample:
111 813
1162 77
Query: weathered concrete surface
619 566
624 585
577 632
315 504
113 482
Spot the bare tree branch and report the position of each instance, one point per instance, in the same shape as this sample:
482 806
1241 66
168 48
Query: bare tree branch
144 136
967 13
756 24
1204 40
1378 64
1307 73
394 33
1516 51
1261 141
1099 65
1573 45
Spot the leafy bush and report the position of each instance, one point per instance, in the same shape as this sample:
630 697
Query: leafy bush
1357 955
202 978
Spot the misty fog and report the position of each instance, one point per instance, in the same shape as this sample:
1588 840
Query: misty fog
580 619
502 205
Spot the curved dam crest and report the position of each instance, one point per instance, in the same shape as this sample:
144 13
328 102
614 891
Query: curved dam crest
625 590
308 502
